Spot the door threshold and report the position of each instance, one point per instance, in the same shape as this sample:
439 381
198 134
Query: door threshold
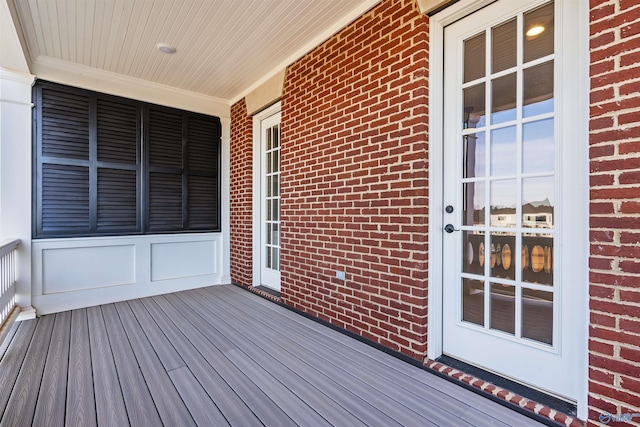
509 391
266 292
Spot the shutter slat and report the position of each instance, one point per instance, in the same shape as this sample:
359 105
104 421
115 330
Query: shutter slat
65 205
65 124
117 200
165 201
203 136
165 139
117 132
202 203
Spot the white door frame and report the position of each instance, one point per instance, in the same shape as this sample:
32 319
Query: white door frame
576 165
257 189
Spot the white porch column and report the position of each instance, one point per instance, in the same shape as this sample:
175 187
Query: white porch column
15 175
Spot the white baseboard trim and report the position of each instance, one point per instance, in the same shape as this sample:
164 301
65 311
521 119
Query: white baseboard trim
26 313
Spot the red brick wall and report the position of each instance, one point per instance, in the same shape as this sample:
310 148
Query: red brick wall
614 344
354 179
241 194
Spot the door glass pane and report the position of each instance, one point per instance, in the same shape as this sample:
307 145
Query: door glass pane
537 254
503 203
503 308
537 315
504 42
473 301
275 188
474 155
537 202
538 90
473 252
538 146
474 58
538 33
473 115
503 95
473 203
504 147
275 258
502 260
269 185
275 234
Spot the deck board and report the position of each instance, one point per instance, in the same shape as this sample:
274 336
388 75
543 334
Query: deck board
12 361
22 403
203 410
261 405
53 390
141 409
218 356
357 405
374 378
391 368
171 408
110 407
4 345
311 394
235 411
367 405
81 406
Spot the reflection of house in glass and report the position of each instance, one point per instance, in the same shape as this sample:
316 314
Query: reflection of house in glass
537 214
534 215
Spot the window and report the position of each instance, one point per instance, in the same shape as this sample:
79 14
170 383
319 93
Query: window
111 166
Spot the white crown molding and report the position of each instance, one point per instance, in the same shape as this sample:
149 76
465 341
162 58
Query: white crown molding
117 84
16 76
364 7
428 6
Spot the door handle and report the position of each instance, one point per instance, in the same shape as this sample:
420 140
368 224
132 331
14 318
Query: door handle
449 228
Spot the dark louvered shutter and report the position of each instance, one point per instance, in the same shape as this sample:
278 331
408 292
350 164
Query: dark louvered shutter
64 163
203 148
96 173
165 170
117 161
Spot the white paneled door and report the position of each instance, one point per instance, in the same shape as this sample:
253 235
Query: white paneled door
504 291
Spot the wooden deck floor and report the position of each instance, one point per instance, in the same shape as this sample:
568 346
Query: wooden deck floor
212 357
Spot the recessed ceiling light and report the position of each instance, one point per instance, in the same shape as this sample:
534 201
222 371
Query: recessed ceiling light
165 48
535 31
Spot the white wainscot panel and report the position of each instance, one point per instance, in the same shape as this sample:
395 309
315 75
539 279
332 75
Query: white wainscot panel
73 269
182 259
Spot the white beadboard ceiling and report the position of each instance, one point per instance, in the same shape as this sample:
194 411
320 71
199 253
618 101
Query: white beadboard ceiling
224 47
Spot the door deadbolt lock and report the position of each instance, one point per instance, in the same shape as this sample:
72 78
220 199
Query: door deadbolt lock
448 209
